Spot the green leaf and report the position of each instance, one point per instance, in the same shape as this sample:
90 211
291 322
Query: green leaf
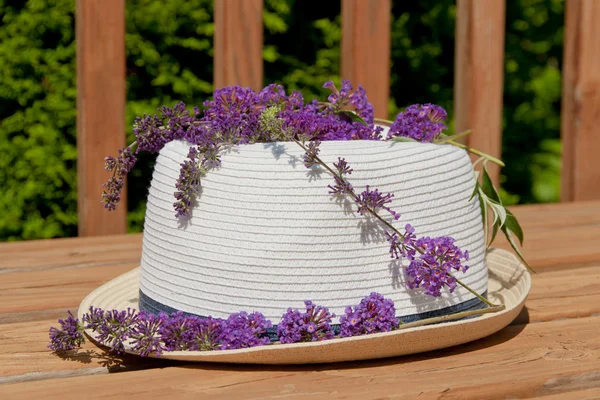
475 190
499 211
484 215
495 230
354 117
488 186
513 244
513 225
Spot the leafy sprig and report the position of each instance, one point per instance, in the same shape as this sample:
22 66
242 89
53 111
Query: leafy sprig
502 219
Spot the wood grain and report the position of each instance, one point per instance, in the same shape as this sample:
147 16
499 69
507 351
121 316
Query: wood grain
518 362
555 294
479 75
366 47
238 43
53 289
100 30
580 127
35 255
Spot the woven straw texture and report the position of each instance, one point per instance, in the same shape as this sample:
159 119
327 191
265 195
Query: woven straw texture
509 283
266 234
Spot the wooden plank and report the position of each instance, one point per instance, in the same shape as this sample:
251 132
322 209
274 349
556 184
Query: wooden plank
517 362
24 356
100 29
238 43
580 127
69 253
479 74
35 291
34 303
551 215
366 47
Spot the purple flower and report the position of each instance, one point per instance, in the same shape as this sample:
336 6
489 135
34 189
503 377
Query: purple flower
113 327
243 330
188 183
309 326
402 246
342 167
431 269
177 331
206 334
423 123
312 152
374 200
341 186
69 337
144 334
120 167
374 314
346 98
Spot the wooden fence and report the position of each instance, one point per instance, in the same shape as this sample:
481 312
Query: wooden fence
479 71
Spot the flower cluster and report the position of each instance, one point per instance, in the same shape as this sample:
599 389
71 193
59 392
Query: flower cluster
188 183
437 258
243 330
374 200
423 123
69 337
149 334
120 167
309 326
374 314
236 116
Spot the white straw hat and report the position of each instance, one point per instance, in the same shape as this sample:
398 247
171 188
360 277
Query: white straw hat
266 235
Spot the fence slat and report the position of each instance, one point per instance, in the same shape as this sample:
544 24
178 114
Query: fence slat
580 130
100 30
479 74
238 43
366 47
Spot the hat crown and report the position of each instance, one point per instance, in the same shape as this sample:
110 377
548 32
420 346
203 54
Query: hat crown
266 234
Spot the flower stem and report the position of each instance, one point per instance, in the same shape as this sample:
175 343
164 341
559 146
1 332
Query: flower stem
451 317
480 297
449 138
475 151
383 221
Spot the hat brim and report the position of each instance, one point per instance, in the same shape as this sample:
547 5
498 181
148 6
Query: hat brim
509 284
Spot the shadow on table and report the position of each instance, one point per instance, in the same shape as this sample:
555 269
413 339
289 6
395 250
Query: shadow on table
114 362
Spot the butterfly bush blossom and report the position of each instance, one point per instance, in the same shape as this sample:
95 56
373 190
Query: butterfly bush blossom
68 337
309 326
374 314
423 123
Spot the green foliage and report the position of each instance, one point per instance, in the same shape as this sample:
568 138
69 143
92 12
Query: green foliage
169 58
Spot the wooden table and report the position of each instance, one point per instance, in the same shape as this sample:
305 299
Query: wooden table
552 349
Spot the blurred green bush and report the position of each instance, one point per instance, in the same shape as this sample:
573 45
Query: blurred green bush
169 58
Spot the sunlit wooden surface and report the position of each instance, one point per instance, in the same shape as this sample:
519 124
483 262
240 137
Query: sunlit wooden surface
552 349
